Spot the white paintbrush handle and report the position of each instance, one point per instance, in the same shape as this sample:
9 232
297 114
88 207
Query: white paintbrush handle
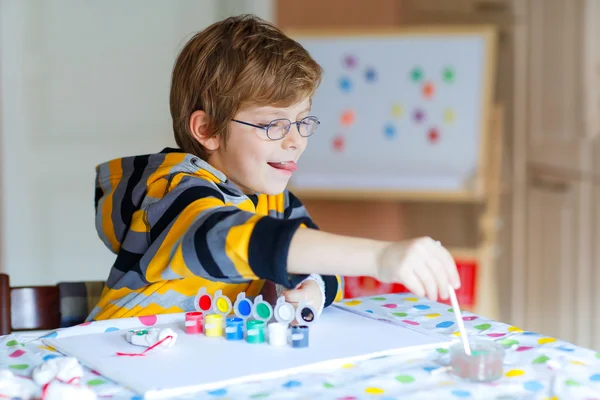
459 320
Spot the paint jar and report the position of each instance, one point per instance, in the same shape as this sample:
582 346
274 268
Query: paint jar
278 334
484 364
194 322
305 314
213 325
284 312
242 307
203 301
221 304
255 331
234 328
299 336
262 311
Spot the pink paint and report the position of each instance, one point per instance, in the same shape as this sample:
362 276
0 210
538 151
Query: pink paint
469 318
17 353
85 323
390 305
148 320
524 348
496 334
410 322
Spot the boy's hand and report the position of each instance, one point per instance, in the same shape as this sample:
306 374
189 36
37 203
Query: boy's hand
423 265
308 291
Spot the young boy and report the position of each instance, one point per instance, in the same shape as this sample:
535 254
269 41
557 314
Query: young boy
216 213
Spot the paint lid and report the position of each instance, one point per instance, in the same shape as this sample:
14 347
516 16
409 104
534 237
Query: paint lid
262 310
284 311
203 302
305 314
243 306
221 304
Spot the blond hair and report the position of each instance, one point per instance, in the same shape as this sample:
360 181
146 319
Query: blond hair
233 63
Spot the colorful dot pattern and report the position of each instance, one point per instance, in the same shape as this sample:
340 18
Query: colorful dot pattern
415 374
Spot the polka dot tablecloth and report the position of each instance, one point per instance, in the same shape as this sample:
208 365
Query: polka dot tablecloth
536 366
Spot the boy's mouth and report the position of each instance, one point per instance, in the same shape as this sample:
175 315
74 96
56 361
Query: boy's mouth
284 165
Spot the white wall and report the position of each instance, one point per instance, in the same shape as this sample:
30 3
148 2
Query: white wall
81 82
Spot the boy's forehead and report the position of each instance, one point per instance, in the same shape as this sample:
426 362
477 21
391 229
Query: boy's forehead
299 107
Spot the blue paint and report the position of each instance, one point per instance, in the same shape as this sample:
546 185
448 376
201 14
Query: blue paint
137 397
461 393
369 311
421 307
111 329
218 393
533 386
389 130
50 357
370 75
429 369
245 308
234 329
595 378
345 84
445 324
50 335
292 384
530 333
567 349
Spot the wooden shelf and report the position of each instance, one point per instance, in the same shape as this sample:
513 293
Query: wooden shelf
418 196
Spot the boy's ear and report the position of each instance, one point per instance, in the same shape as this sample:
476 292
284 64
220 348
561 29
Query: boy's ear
199 129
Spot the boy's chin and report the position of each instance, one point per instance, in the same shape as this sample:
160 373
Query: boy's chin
273 188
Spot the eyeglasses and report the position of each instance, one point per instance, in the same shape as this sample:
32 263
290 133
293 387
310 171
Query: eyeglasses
279 128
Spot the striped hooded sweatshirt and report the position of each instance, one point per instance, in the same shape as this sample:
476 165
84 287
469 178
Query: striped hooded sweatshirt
176 225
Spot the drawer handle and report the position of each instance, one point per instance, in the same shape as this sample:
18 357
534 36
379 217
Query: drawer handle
550 185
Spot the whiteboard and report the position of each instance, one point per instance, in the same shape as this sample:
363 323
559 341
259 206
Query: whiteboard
401 111
199 363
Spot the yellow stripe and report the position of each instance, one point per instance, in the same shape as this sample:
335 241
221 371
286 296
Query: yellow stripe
179 228
137 222
340 293
169 162
236 246
116 172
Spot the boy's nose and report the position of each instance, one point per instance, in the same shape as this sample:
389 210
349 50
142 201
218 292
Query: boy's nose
293 140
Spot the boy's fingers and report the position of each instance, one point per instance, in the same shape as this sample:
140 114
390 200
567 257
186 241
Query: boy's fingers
293 296
413 284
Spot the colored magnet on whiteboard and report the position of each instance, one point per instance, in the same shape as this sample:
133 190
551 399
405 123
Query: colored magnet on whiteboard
418 115
448 75
284 311
338 143
345 84
242 307
370 74
350 61
305 314
262 311
221 304
428 90
347 118
449 116
416 74
389 130
203 301
433 135
397 110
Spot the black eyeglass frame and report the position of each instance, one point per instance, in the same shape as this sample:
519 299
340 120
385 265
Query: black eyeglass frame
290 123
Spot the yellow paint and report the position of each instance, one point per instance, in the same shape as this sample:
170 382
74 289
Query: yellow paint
213 325
222 305
411 299
47 348
445 383
578 363
373 390
515 372
449 116
353 303
348 366
397 110
456 333
432 315
514 329
546 340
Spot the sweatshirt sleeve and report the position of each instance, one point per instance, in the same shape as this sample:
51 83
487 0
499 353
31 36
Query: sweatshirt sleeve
295 210
198 234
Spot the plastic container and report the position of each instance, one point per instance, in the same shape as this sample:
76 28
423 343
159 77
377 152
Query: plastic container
483 365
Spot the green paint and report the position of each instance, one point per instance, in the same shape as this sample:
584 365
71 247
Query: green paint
263 311
448 74
405 379
451 310
540 360
400 314
483 327
597 355
12 343
416 74
96 382
378 298
261 395
327 385
19 366
508 342
571 382
479 353
442 351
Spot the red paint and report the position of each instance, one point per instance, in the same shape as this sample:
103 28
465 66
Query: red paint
390 305
205 302
433 135
193 322
410 322
148 320
524 348
16 354
338 143
495 335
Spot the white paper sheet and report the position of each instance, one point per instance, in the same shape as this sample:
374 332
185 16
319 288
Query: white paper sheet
199 363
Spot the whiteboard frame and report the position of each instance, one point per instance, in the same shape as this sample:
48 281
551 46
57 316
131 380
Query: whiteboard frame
477 192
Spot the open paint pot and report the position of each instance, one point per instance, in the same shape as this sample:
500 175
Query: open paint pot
221 304
242 308
305 314
203 301
483 365
262 311
284 311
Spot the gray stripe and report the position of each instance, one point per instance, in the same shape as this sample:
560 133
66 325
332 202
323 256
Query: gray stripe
117 219
130 280
104 182
235 200
136 242
154 162
169 299
298 212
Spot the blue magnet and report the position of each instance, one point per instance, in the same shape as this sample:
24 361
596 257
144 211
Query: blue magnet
234 328
299 336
